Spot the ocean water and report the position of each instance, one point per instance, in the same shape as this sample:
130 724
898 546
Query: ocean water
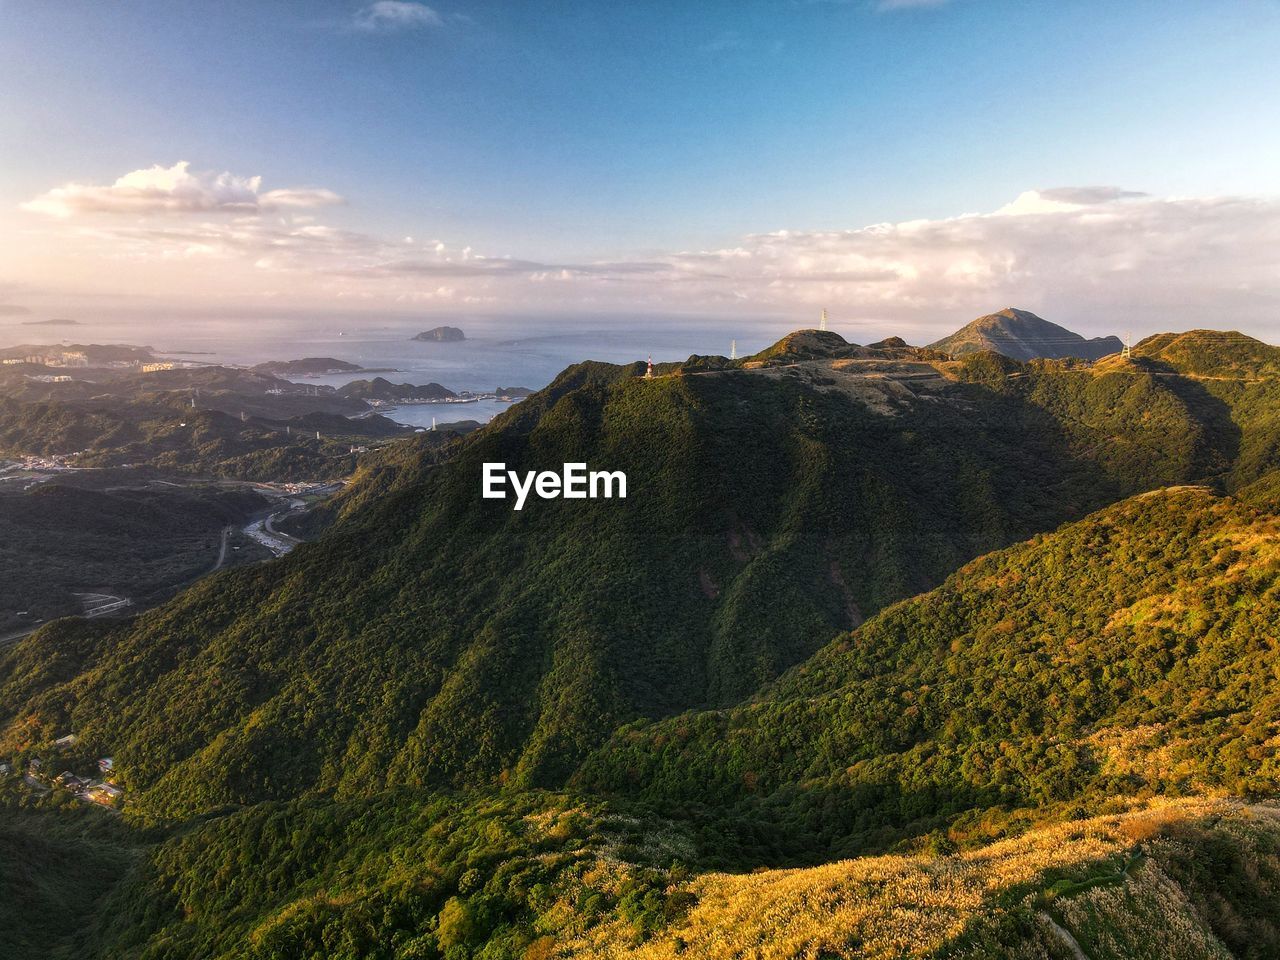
499 351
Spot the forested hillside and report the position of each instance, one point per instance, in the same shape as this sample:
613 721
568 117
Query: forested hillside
1128 654
437 638
838 614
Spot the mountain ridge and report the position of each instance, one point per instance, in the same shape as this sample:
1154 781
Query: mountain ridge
1021 335
369 657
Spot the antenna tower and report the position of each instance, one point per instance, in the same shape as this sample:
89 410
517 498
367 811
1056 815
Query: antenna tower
733 350
822 325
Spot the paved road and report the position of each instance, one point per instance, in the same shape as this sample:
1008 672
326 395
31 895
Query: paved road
264 531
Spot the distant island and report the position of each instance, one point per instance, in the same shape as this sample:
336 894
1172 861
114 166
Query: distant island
307 367
512 393
380 391
55 322
442 335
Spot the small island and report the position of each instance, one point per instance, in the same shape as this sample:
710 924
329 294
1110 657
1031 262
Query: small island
511 393
382 392
54 322
307 367
442 335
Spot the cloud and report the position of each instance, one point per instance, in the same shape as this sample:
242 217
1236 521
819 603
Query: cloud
1092 249
1098 258
389 15
176 190
1071 252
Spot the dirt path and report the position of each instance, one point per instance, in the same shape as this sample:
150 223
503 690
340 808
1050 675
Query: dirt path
222 550
1065 936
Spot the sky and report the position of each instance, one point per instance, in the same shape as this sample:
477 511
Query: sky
907 164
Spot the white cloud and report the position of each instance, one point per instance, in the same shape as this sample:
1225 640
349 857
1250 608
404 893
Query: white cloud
176 190
1096 250
386 15
1099 259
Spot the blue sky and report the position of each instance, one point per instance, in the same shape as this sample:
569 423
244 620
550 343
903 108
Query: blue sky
578 132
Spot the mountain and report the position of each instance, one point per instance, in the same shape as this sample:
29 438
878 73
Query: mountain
986 739
976 616
307 367
164 434
436 638
1022 335
1212 353
384 391
441 334
988 691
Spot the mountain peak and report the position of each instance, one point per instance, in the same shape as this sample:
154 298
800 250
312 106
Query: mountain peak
1022 335
806 345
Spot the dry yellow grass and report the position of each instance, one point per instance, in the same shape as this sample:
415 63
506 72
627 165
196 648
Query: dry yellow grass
912 906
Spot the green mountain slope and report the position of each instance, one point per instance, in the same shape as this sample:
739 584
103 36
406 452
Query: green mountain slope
1021 335
333 754
1126 654
436 638
540 876
1212 353
1131 652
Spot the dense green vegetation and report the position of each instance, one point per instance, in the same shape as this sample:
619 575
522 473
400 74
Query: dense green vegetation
58 540
58 865
438 639
167 438
448 729
1128 654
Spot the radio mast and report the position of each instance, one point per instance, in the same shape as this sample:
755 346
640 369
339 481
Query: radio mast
733 349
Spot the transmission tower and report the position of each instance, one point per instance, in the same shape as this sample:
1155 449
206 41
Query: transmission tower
1126 353
733 349
822 325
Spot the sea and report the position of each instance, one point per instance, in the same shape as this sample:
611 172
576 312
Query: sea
499 351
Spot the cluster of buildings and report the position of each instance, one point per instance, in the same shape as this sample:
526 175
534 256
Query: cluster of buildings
101 789
57 358
36 464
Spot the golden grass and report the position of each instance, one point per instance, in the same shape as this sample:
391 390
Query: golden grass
912 906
